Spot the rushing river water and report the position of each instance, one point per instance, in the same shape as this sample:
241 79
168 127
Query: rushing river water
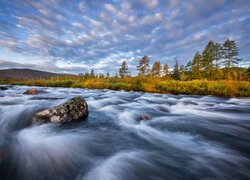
187 137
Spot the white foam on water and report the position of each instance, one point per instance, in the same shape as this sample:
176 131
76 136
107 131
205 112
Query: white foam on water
116 166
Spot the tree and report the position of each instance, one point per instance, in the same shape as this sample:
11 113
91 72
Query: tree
217 55
208 56
248 72
176 73
156 69
123 71
230 53
196 66
101 75
166 70
143 67
92 73
107 75
188 66
182 73
245 75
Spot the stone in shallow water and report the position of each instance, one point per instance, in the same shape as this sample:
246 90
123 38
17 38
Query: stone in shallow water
3 88
34 91
72 110
143 118
45 98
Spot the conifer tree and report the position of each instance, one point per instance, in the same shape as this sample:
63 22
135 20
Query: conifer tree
208 56
188 70
188 66
92 73
107 75
123 71
143 67
230 53
101 75
176 73
196 66
156 69
217 55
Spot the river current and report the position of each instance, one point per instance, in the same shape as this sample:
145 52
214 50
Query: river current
186 137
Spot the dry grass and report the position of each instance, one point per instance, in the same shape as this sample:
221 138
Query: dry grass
223 88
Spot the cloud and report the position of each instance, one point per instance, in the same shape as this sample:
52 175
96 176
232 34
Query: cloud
101 34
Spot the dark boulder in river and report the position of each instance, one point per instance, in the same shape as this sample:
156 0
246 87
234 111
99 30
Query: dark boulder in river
3 88
34 91
72 110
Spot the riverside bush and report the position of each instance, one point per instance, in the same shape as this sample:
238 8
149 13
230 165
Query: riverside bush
224 88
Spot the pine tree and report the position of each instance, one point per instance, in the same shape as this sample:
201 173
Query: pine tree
196 66
107 75
230 53
217 55
156 69
143 67
166 70
208 56
123 71
176 73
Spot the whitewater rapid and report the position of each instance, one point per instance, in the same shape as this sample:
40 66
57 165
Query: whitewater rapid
186 137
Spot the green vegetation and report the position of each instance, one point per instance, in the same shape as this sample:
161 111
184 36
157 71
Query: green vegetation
212 72
224 88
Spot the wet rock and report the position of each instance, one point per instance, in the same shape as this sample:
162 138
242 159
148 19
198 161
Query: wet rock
143 118
34 91
2 88
45 98
164 109
72 110
189 103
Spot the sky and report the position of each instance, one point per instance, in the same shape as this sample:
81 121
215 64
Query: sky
75 36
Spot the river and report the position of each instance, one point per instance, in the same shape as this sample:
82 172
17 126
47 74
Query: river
186 137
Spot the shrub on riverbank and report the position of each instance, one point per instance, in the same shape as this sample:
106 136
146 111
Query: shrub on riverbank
223 88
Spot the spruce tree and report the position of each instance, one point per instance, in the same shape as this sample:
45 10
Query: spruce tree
92 73
176 73
107 75
123 71
143 67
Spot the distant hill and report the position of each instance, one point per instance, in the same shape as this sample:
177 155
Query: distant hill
27 74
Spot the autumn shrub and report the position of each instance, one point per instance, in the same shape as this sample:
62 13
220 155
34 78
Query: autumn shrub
226 88
120 86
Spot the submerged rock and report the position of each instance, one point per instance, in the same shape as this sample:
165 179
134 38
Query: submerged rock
74 109
34 91
46 98
143 118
